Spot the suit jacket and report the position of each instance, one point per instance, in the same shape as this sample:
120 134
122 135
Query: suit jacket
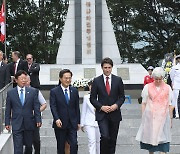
25 116
63 111
21 66
33 72
100 97
88 113
4 75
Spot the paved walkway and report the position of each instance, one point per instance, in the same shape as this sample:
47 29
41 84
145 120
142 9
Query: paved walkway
126 143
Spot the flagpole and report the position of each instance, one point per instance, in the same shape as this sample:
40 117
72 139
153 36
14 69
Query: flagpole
4 2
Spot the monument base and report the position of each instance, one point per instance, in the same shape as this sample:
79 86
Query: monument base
132 74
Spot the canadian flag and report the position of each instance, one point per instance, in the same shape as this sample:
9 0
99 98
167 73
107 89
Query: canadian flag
2 23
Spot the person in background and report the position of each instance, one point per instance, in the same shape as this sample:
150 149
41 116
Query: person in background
23 113
148 78
89 124
4 72
179 103
5 60
36 134
33 71
107 96
154 132
175 78
64 105
16 65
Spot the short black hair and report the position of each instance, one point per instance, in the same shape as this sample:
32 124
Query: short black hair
62 72
17 53
19 73
90 83
107 60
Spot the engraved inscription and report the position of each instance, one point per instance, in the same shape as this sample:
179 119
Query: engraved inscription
54 74
123 73
89 73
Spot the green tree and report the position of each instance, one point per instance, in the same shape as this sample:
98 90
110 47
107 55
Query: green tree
152 23
35 28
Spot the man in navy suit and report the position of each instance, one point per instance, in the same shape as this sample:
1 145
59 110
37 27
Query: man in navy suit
64 104
4 72
107 96
23 113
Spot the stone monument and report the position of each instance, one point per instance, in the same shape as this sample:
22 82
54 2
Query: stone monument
88 34
87 38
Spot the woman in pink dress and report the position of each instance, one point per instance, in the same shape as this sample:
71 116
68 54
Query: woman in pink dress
154 132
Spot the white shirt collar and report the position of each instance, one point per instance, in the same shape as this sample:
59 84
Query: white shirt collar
0 63
18 60
64 88
19 88
104 76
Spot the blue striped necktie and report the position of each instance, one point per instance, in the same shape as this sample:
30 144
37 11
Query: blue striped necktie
66 96
22 96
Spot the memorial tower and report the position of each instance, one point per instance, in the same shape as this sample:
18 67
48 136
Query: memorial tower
88 34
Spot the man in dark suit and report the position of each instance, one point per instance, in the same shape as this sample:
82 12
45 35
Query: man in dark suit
33 71
64 104
4 72
23 113
107 96
17 64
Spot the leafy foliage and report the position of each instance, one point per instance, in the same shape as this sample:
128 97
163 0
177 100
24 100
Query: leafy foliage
145 29
35 27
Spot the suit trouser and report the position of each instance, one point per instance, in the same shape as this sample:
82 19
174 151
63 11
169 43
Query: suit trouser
175 100
68 134
108 130
36 141
93 139
21 137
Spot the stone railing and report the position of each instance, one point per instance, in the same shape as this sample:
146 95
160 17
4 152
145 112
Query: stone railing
3 93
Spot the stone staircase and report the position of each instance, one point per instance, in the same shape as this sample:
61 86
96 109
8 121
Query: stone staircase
126 143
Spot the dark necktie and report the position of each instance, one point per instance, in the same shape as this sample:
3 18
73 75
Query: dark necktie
66 96
107 85
22 97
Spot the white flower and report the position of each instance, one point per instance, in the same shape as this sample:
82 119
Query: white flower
80 83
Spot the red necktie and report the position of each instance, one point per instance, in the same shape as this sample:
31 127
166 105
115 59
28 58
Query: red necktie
107 85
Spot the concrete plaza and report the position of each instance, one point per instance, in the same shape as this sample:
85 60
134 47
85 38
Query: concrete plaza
126 143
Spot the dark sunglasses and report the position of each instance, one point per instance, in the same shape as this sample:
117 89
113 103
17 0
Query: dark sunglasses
28 58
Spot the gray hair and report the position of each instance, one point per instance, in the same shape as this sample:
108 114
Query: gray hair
158 72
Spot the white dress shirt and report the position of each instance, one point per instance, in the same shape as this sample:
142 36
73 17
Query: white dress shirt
41 98
17 65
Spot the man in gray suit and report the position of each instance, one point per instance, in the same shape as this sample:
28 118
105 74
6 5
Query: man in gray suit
23 113
4 72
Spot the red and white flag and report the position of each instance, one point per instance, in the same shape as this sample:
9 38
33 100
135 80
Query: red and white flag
2 23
